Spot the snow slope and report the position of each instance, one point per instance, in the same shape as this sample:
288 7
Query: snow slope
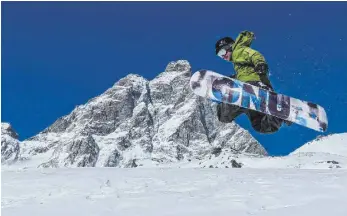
159 192
332 144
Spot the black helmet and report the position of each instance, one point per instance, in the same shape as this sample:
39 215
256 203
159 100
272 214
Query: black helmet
226 41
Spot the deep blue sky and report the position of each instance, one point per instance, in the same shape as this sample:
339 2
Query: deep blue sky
58 55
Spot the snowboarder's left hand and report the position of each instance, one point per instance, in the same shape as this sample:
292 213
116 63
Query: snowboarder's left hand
261 68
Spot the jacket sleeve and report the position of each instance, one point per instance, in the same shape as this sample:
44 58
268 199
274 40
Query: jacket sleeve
256 57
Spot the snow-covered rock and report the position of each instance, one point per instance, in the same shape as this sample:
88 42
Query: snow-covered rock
325 152
138 122
6 129
81 151
9 144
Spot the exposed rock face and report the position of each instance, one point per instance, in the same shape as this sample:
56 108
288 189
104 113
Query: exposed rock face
9 144
80 151
139 123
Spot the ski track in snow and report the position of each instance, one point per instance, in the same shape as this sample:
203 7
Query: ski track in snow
186 191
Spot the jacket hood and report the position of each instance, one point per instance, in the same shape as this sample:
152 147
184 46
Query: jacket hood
244 39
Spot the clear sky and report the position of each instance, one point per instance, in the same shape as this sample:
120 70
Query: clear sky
56 55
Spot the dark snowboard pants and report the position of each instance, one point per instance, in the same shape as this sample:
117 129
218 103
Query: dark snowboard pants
261 122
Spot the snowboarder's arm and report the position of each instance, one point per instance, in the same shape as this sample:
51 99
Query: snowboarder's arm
256 57
258 61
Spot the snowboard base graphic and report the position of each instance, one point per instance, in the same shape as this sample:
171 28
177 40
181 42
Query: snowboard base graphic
223 89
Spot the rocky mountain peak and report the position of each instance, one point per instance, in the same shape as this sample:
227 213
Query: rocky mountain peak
6 129
131 80
10 148
178 66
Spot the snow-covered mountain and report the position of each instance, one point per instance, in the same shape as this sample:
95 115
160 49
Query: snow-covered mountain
157 123
138 122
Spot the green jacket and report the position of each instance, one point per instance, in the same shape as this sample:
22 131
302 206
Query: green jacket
245 59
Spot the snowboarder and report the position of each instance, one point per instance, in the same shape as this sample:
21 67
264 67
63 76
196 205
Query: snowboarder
250 66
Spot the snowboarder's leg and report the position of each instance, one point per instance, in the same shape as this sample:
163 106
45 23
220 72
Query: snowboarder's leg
269 121
263 123
227 113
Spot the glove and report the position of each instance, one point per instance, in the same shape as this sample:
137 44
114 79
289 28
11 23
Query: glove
261 68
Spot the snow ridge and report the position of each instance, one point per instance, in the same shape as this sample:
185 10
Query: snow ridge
331 144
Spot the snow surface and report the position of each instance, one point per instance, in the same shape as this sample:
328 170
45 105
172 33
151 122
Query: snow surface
158 192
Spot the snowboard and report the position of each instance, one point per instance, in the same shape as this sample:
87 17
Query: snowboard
223 89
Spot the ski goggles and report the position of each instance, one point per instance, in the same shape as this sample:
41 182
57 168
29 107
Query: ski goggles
222 53
224 50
